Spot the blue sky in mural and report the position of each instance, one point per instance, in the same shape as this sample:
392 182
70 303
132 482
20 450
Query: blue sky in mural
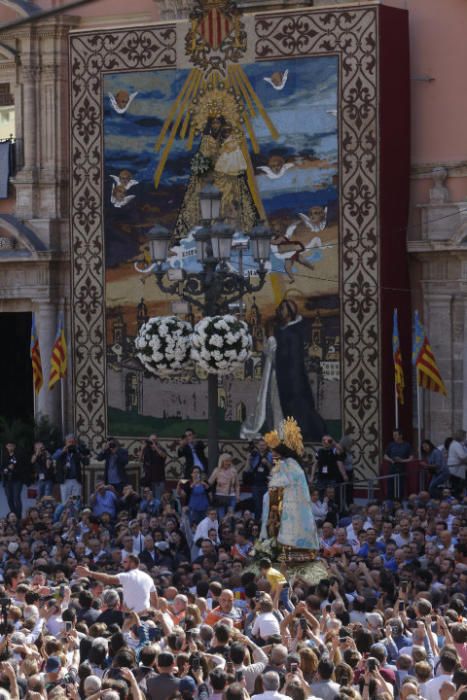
304 113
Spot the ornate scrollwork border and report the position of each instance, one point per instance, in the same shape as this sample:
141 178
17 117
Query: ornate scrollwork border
350 33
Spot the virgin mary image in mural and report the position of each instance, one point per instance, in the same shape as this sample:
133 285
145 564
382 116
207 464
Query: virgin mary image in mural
220 160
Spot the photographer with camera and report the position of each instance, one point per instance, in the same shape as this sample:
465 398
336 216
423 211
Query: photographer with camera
329 469
192 450
258 467
116 460
43 470
70 460
14 476
153 458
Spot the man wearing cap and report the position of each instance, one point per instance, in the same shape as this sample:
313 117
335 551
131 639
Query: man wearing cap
139 591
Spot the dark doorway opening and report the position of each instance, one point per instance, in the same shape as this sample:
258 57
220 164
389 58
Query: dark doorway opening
16 397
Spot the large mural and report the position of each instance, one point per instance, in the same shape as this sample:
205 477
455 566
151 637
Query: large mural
297 117
266 135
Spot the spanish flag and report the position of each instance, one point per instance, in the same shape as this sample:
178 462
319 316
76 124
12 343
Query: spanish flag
399 381
58 360
37 375
428 374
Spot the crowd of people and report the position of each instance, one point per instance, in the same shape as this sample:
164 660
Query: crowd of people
159 594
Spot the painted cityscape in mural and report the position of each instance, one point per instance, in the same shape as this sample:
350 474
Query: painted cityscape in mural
284 168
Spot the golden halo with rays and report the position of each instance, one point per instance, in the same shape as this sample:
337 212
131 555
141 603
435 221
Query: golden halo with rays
216 102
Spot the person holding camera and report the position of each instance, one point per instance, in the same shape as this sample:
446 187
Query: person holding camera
43 470
70 460
153 458
329 468
258 467
192 450
13 474
116 460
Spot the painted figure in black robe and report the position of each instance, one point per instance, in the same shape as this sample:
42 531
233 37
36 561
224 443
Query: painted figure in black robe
295 393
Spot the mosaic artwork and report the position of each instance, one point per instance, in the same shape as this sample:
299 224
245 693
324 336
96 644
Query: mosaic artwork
267 138
293 137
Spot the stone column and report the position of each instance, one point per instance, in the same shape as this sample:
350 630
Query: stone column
48 402
26 178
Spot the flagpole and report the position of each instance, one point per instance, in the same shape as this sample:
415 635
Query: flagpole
62 405
396 405
419 415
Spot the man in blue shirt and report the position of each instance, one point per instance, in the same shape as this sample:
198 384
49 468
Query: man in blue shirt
104 500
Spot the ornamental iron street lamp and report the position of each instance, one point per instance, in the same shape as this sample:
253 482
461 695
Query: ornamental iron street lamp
216 287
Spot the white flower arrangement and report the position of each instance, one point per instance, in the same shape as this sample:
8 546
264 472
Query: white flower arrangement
163 344
220 344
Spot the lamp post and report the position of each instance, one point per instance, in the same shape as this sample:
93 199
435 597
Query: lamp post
217 285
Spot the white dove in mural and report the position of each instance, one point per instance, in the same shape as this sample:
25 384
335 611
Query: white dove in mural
278 80
121 100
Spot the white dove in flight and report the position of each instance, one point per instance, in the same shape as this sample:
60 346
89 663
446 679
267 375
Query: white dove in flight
274 174
278 80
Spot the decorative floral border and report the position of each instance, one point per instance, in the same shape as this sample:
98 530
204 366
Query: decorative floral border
352 35
349 33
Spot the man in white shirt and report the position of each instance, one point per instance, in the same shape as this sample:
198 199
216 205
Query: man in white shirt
208 523
457 461
271 685
448 663
266 624
139 591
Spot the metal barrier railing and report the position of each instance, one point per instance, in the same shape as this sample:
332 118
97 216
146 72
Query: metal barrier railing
370 485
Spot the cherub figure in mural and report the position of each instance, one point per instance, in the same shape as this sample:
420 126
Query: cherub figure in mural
122 182
316 219
278 80
121 101
276 167
219 160
285 388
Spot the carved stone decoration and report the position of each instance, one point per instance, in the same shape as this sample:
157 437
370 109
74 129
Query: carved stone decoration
92 53
439 193
351 33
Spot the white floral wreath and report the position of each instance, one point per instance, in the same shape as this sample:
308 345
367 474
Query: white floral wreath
220 344
163 344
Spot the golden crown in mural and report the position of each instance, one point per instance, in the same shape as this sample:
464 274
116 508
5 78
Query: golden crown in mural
289 434
216 102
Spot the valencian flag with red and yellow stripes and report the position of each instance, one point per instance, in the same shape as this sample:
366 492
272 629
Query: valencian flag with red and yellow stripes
428 375
35 352
399 381
58 360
